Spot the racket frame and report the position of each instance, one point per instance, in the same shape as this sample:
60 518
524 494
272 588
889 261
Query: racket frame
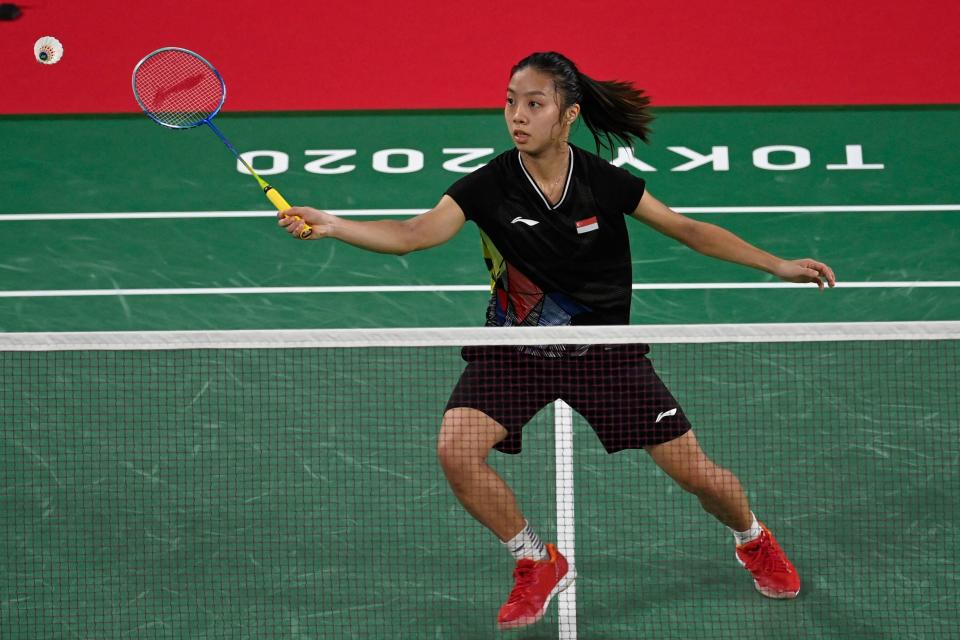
272 194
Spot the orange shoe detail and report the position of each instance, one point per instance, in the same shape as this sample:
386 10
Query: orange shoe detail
535 584
773 574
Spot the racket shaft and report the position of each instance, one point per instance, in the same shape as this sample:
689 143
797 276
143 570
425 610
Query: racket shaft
272 194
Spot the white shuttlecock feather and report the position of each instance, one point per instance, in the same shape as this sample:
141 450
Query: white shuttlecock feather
48 50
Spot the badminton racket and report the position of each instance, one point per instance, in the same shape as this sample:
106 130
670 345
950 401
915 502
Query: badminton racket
179 89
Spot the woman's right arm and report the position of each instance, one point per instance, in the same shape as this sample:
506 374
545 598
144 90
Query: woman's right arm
382 236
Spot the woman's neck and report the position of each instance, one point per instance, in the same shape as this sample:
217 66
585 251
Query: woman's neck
549 165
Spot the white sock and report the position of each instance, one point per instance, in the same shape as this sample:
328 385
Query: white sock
743 537
526 544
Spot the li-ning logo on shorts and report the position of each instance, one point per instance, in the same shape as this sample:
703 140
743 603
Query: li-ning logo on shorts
666 414
587 225
525 221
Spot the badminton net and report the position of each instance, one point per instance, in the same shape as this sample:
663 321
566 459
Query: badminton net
285 484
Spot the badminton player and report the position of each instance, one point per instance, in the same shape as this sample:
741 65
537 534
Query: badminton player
552 219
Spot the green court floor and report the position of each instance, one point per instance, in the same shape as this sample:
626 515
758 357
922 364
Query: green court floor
125 164
186 495
192 494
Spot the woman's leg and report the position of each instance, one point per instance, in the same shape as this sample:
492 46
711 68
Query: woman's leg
720 494
466 437
718 489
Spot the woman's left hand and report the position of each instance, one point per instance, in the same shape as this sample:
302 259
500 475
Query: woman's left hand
806 270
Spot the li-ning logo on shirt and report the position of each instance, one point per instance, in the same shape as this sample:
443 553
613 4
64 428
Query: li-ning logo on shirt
666 414
525 221
587 225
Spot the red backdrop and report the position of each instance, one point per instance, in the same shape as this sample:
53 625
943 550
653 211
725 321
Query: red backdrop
306 55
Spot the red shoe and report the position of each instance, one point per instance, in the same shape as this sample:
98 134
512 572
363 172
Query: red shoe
773 575
535 583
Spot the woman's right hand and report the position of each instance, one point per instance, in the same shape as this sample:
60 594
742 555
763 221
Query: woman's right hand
294 219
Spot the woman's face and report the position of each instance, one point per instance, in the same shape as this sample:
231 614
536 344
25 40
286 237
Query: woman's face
533 112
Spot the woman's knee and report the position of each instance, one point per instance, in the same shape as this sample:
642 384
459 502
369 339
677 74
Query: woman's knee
466 437
454 457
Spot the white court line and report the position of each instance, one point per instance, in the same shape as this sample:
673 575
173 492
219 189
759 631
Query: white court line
879 208
452 288
566 521
152 215
148 215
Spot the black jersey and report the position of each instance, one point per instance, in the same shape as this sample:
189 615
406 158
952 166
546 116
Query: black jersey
560 264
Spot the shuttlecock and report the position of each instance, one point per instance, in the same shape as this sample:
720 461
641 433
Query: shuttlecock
48 50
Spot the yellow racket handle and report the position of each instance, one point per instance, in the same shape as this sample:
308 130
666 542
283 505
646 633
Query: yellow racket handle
274 197
282 205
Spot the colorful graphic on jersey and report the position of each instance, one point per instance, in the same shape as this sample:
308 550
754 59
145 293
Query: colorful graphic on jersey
518 301
492 258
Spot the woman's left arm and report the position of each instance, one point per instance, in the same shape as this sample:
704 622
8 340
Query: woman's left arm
716 242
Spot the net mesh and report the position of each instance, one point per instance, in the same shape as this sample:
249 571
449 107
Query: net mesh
271 485
178 88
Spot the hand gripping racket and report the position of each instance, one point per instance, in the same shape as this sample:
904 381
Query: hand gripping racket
179 89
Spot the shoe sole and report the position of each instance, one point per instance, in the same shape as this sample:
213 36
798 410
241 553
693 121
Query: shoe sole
776 595
564 583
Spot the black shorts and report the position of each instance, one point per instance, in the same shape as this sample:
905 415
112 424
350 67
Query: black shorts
613 387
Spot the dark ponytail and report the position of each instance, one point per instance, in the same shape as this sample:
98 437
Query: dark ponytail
615 112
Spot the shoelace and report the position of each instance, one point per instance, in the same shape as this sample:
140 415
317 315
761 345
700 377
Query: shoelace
524 577
766 557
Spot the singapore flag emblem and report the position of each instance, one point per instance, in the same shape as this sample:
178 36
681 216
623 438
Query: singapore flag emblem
587 225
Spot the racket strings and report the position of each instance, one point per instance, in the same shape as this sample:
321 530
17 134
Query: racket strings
178 89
